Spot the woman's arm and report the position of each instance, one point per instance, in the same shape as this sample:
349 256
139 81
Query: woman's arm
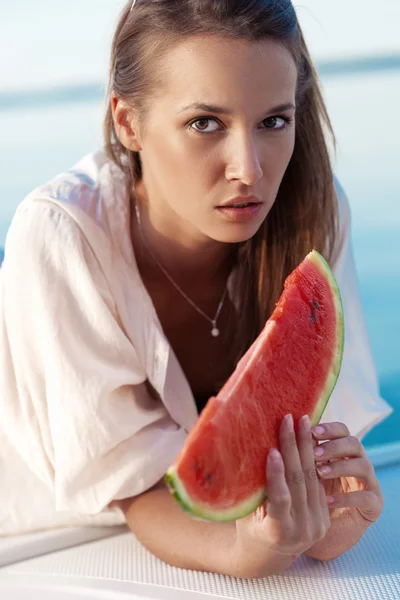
167 532
177 539
347 525
78 410
347 528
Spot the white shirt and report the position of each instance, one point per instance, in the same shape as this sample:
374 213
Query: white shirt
79 338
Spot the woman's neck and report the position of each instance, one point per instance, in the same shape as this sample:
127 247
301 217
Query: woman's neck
186 259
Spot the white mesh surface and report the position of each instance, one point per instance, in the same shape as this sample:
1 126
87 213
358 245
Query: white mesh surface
22 547
371 570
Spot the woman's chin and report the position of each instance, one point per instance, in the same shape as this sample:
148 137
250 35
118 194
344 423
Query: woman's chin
236 234
235 226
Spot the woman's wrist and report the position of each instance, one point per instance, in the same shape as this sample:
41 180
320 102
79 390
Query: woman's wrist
256 562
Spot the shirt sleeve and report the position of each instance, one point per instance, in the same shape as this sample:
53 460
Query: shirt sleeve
74 399
355 400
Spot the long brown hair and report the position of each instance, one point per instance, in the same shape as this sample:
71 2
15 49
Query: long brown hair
305 213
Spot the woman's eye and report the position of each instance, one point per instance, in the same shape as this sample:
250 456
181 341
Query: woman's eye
203 125
210 125
276 123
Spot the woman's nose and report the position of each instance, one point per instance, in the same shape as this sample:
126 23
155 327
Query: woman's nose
244 164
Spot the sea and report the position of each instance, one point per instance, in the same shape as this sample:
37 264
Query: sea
53 70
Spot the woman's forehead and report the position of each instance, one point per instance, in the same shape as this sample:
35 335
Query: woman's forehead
210 69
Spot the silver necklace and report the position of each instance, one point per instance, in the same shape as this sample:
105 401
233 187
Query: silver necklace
214 331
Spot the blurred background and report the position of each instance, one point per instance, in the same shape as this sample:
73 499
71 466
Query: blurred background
53 72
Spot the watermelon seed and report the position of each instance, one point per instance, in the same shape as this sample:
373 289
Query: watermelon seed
315 304
313 316
209 480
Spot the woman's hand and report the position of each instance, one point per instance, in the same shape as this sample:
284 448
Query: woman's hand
347 474
296 514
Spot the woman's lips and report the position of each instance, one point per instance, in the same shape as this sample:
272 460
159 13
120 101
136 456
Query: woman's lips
241 214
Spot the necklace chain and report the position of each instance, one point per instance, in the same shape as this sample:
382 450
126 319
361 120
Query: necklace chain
215 331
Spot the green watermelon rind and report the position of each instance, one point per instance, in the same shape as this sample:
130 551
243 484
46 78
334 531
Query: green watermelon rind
203 512
333 376
250 504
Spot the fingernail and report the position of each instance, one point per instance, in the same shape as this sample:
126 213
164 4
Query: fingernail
324 470
330 499
306 423
318 430
319 451
289 422
274 455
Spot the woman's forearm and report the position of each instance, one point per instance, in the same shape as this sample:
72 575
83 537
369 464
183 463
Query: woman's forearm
171 535
347 528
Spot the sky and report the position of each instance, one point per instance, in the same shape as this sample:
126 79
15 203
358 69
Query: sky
65 41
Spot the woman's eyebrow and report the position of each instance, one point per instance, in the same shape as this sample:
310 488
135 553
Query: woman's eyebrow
225 111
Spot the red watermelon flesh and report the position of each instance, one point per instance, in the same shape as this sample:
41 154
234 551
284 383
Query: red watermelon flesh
292 367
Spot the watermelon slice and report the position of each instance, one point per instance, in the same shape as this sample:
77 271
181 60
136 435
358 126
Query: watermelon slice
292 367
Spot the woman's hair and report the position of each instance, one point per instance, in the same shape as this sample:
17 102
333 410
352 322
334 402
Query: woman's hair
305 213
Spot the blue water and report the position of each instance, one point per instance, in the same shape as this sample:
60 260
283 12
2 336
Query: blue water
378 259
40 141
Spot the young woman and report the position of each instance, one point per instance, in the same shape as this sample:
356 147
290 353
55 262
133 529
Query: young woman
133 283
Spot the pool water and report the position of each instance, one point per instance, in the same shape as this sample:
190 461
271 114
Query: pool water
367 165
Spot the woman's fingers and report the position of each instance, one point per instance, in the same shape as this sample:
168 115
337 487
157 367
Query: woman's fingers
279 499
366 502
361 468
295 476
324 508
340 448
308 464
330 431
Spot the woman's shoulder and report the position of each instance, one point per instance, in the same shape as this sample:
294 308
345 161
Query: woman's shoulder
93 191
91 197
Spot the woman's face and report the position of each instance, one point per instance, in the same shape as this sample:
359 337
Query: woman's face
221 127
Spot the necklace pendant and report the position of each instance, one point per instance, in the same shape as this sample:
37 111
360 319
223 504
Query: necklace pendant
215 332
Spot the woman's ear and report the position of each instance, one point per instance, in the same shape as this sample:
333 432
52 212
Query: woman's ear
126 127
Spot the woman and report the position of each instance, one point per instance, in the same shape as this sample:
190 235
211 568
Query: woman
133 283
